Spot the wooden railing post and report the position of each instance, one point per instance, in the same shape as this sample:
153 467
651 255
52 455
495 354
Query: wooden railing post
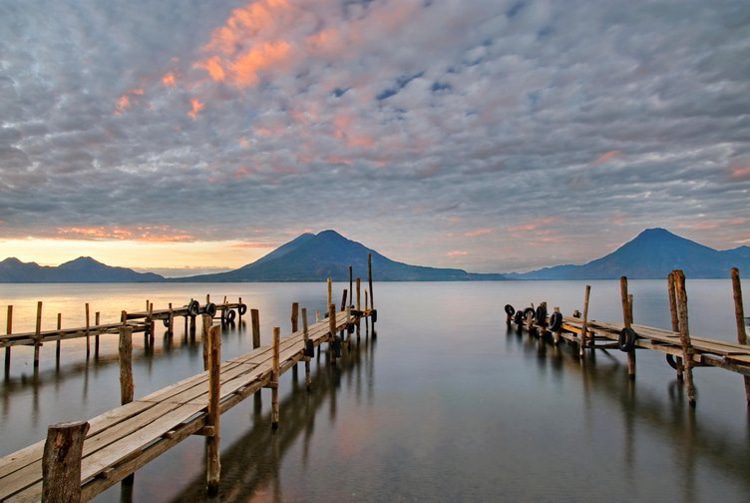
38 334
213 420
88 326
687 347
57 342
255 322
739 313
8 330
369 279
207 322
585 325
343 307
675 319
96 337
627 316
295 318
330 291
306 338
125 350
61 462
332 330
275 380
351 286
358 305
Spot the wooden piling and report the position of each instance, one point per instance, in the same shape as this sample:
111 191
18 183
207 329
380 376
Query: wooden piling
38 334
213 419
687 347
739 313
305 337
61 462
675 319
170 328
207 322
627 313
125 351
584 327
358 305
239 311
369 279
557 335
88 327
57 342
275 380
255 322
8 331
332 330
96 337
330 291
351 285
295 318
343 307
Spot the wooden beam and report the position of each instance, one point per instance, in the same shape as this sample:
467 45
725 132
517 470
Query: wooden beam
295 316
213 420
125 350
627 313
37 337
739 313
305 338
359 305
275 380
61 462
8 331
584 327
675 319
687 348
330 291
207 322
88 326
255 322
57 342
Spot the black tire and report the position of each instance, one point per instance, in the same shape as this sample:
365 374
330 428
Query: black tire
626 339
193 308
210 309
230 315
166 322
527 311
374 315
675 364
242 309
555 321
509 310
518 318
541 315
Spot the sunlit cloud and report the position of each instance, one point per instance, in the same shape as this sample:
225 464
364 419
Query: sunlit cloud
607 156
169 79
158 233
457 253
483 231
195 107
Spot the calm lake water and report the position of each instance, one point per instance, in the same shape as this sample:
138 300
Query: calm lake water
445 405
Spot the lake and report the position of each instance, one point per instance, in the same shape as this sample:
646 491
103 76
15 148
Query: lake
445 405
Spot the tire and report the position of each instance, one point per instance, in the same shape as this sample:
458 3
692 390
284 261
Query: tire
555 321
242 309
509 310
626 339
210 309
166 322
374 315
541 315
230 315
193 308
518 318
527 311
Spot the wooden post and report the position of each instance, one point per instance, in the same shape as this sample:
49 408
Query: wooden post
739 313
151 324
8 330
687 347
305 337
295 318
125 350
255 322
557 334
88 326
627 316
675 319
61 462
275 380
207 322
369 279
330 291
584 326
343 307
213 420
239 311
38 334
96 337
170 328
359 306
57 343
367 308
351 286
332 330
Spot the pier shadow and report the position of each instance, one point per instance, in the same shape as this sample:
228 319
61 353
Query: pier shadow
604 377
252 463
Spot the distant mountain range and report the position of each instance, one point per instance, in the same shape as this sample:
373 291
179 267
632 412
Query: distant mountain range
315 257
80 270
654 253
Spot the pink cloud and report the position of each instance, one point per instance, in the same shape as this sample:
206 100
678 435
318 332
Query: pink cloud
483 231
457 253
739 172
606 157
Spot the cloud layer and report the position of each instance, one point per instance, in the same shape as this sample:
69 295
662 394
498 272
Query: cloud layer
493 135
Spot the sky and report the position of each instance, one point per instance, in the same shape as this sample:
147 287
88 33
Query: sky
490 135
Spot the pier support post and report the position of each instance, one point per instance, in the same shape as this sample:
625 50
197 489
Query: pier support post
675 319
556 335
343 308
687 347
306 337
207 321
332 331
239 311
585 325
330 291
739 313
255 325
351 286
8 330
88 327
359 305
57 342
96 337
38 335
213 420
61 462
275 380
627 318
125 351
372 297
170 328
295 319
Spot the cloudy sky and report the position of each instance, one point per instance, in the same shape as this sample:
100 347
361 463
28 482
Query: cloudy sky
490 135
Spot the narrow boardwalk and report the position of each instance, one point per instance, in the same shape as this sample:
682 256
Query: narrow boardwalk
124 439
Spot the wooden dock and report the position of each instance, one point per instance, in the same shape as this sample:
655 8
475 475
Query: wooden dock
683 351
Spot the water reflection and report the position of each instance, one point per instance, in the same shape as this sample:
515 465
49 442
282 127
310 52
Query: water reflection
250 466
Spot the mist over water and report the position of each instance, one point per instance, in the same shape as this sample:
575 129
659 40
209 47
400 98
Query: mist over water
446 404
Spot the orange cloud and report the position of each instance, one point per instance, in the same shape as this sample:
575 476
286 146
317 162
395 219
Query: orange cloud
479 232
739 173
123 103
213 66
169 79
606 157
196 107
457 253
158 233
534 225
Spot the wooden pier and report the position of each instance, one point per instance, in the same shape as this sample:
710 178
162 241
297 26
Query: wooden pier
80 459
683 351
